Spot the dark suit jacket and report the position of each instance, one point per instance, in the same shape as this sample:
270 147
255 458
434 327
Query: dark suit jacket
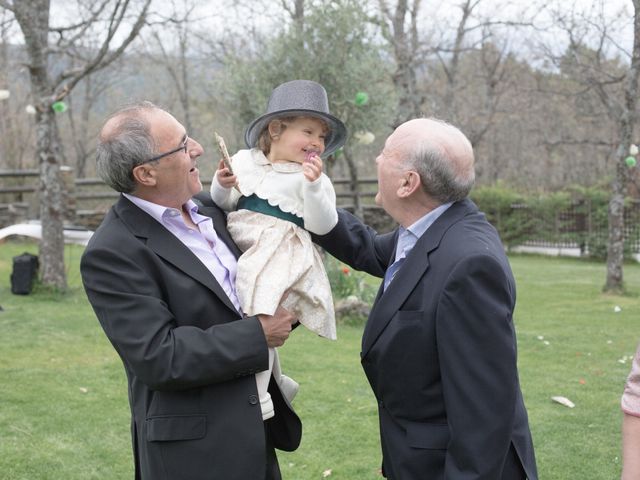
439 349
189 358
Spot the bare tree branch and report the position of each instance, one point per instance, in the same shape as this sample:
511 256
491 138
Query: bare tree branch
82 27
103 58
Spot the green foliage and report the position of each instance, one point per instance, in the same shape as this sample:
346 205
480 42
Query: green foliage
346 282
353 292
335 47
503 207
577 216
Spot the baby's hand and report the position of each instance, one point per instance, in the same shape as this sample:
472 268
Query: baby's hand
312 167
225 178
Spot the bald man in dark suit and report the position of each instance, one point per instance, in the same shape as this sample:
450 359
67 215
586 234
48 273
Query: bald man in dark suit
439 347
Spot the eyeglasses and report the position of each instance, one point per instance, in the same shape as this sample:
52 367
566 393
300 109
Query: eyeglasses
162 155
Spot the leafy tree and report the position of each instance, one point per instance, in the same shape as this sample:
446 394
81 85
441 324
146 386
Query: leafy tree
335 46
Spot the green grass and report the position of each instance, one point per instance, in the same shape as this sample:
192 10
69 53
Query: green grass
64 411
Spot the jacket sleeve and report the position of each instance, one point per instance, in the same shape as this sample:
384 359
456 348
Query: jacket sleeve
170 331
358 245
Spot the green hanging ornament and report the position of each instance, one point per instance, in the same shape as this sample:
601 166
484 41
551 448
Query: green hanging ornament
630 161
361 98
59 107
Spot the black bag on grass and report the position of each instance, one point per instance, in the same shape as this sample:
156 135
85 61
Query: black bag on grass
25 269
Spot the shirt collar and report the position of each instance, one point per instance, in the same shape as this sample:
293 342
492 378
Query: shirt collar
420 226
408 237
160 212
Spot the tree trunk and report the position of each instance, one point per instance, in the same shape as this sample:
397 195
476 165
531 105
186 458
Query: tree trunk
405 50
615 250
51 201
33 17
353 183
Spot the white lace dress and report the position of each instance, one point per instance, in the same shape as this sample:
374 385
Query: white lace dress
279 255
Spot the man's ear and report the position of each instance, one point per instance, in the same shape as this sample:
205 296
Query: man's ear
145 175
409 184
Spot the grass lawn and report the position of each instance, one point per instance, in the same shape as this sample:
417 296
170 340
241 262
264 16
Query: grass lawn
64 413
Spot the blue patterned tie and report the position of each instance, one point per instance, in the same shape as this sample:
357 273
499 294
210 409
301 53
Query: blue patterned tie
392 270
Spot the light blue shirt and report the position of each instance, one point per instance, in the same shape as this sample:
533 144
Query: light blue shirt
203 243
409 236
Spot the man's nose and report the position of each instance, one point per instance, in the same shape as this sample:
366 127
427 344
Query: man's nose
195 149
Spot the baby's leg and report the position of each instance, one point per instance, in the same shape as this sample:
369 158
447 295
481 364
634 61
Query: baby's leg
288 385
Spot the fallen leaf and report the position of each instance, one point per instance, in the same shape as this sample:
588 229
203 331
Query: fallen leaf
326 473
84 389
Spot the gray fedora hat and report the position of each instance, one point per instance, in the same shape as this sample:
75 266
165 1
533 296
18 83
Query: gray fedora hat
299 98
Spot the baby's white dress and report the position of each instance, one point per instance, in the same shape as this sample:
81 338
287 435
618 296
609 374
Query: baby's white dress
278 255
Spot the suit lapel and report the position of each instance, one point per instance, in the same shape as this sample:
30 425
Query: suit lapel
387 303
168 247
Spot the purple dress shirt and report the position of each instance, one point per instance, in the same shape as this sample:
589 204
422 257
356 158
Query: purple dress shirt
203 243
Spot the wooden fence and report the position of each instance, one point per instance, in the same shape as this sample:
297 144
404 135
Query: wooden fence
581 225
88 199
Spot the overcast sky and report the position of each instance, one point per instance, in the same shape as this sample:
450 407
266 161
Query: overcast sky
437 16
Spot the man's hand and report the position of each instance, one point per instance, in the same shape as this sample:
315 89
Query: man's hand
225 178
277 327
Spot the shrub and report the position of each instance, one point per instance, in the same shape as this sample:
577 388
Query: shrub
576 216
507 211
353 291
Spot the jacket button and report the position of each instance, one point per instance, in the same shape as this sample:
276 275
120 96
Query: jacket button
253 400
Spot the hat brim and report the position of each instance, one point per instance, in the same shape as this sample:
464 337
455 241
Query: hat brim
336 138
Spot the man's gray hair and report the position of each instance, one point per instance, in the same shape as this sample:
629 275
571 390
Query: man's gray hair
443 178
125 147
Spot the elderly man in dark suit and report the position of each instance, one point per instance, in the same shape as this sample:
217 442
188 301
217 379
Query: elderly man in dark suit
160 274
439 347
